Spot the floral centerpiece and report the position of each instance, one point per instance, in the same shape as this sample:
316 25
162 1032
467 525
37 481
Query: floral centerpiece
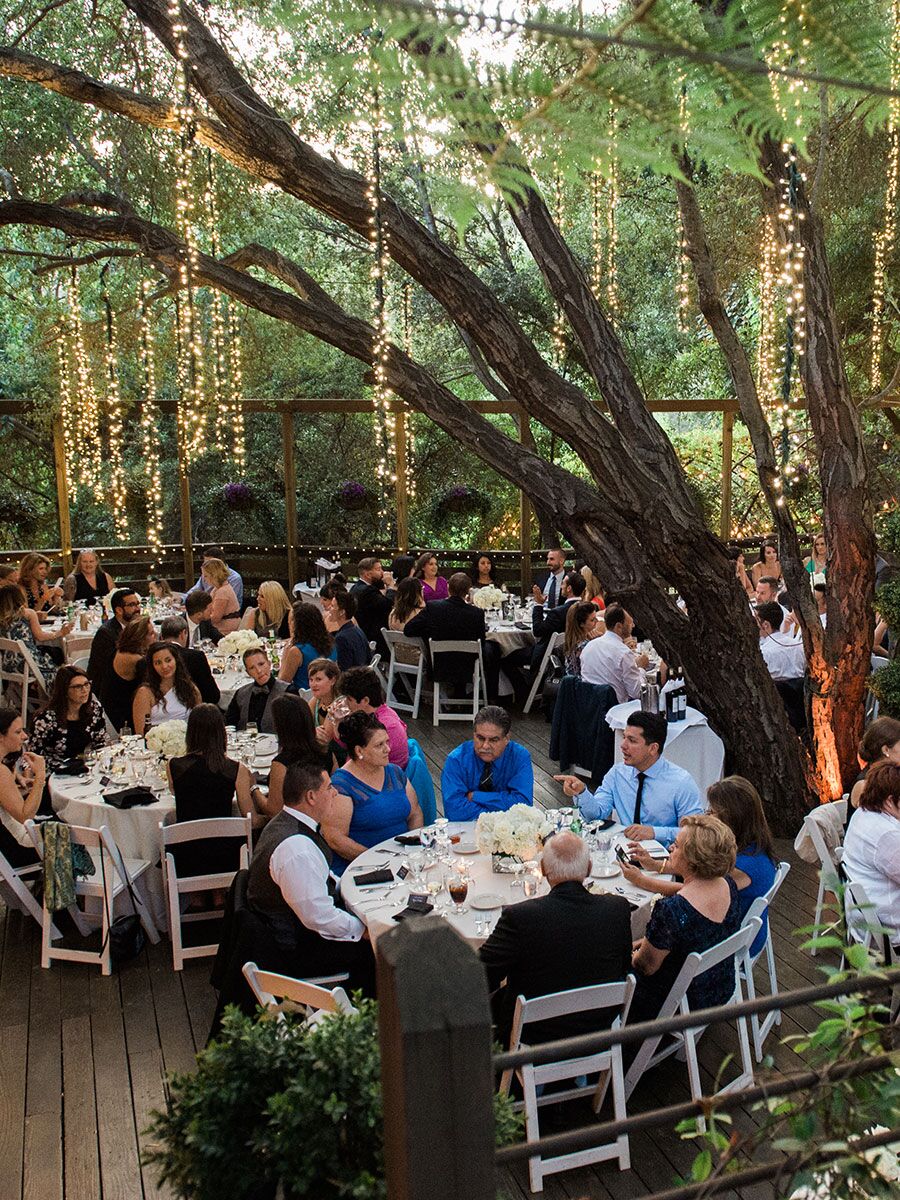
238 642
168 738
488 597
511 836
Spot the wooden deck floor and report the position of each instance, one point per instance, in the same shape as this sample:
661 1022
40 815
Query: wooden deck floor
83 1059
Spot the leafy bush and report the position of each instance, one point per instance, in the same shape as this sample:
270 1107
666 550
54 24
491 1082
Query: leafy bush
885 686
887 604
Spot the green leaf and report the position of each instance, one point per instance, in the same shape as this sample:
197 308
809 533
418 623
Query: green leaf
702 1166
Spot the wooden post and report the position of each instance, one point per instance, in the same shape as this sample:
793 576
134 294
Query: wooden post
727 467
527 439
62 494
401 498
434 1025
184 488
290 495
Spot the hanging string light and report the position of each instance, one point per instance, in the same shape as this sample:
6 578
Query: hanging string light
114 426
558 332
86 442
149 430
236 390
682 285
217 378
886 236
767 349
406 302
66 390
604 226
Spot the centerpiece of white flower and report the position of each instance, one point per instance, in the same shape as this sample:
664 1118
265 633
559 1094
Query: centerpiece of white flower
168 738
488 597
238 642
517 833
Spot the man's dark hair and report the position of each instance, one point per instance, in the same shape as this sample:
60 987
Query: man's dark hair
771 612
300 778
361 683
459 585
653 727
172 628
214 552
614 616
735 552
334 587
251 650
118 597
577 583
493 714
346 603
366 564
197 602
770 580
822 588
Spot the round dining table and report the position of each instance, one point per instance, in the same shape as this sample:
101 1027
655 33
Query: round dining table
488 893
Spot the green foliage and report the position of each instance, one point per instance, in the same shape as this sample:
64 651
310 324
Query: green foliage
890 531
277 1101
885 686
887 604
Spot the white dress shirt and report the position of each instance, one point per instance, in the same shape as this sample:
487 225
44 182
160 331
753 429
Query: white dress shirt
193 632
559 576
607 659
872 858
299 869
783 656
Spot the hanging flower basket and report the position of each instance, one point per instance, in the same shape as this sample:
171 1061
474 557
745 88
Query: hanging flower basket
238 495
353 496
464 500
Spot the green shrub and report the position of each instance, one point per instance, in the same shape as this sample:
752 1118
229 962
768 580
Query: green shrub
887 604
885 685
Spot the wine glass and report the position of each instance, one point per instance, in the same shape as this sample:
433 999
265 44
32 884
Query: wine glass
458 887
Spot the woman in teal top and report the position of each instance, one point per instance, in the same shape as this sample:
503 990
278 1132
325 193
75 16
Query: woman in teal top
817 563
309 640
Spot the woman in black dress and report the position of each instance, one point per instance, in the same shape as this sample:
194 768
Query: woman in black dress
21 789
204 782
297 742
71 722
88 581
126 672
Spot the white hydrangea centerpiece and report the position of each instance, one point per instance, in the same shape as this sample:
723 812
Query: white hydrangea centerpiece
168 738
238 642
517 832
488 597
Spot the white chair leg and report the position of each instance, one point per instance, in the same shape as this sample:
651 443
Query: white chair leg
820 901
437 703
693 1069
532 1127
46 935
420 675
619 1111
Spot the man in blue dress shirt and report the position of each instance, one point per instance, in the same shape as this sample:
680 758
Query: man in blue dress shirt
488 774
234 579
649 794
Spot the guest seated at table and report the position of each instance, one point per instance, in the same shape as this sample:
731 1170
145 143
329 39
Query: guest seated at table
203 585
19 623
402 567
160 589
736 803
309 640
294 890
881 741
454 619
568 939
490 773
71 721
545 623
205 782
768 591
88 581
21 790
197 607
374 596
39 595
434 585
872 849
549 591
768 565
736 554
167 692
323 676
9 572
612 659
361 689
408 603
175 630
271 616
375 801
297 742
483 572
253 703
126 605
817 563
125 672
225 612
351 645
650 795
783 653
583 624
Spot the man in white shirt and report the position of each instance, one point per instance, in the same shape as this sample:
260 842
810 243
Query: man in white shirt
608 659
782 652
767 593
292 889
551 595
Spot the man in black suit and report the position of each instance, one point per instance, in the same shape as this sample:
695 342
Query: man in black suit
548 592
126 605
175 630
454 619
200 628
545 622
568 939
374 600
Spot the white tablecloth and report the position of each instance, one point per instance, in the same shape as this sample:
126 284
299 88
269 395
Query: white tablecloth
375 907
508 637
689 743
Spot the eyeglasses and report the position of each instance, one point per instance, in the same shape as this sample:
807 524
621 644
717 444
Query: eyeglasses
79 687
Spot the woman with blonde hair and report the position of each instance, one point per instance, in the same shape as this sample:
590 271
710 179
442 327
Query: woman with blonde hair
33 571
225 613
271 617
20 623
594 589
704 912
88 581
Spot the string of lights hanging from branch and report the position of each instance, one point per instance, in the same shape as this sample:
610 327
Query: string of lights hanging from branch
682 285
558 331
149 426
66 391
114 424
85 446
886 236
406 306
604 225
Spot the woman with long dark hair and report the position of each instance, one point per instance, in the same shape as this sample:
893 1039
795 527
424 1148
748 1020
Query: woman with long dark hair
768 566
434 585
119 684
309 639
168 693
483 572
71 721
20 790
39 595
297 742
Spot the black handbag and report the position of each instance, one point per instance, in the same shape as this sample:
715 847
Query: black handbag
126 934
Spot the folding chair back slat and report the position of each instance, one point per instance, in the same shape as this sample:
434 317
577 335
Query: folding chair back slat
271 989
397 667
470 707
555 644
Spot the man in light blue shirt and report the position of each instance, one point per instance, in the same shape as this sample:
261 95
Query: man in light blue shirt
233 578
650 795
488 774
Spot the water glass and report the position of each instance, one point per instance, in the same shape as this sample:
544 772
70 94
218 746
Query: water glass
530 886
604 844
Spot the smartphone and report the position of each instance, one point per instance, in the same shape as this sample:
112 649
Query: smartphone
623 858
607 824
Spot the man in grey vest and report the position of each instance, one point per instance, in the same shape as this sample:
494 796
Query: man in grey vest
292 889
253 701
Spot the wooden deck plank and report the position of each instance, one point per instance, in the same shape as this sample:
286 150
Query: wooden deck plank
43 1157
82 1151
120 1172
13 1063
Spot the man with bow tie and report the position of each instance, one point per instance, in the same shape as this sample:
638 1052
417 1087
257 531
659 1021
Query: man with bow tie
252 703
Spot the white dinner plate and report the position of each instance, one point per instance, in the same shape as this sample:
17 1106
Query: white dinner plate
605 872
266 743
465 848
487 900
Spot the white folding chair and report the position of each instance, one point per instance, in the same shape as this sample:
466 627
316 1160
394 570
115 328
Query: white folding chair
695 965
864 927
81 661
113 876
28 676
15 892
179 834
397 667
375 664
823 827
470 707
271 990
608 1063
760 1029
555 644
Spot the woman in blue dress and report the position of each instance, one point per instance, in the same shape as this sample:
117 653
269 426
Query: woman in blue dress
309 640
735 801
704 912
376 802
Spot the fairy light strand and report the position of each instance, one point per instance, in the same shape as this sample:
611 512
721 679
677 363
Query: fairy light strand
682 284
88 452
886 236
115 426
66 389
406 301
236 389
149 428
558 331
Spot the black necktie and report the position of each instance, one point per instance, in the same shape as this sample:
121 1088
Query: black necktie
486 784
640 794
551 592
